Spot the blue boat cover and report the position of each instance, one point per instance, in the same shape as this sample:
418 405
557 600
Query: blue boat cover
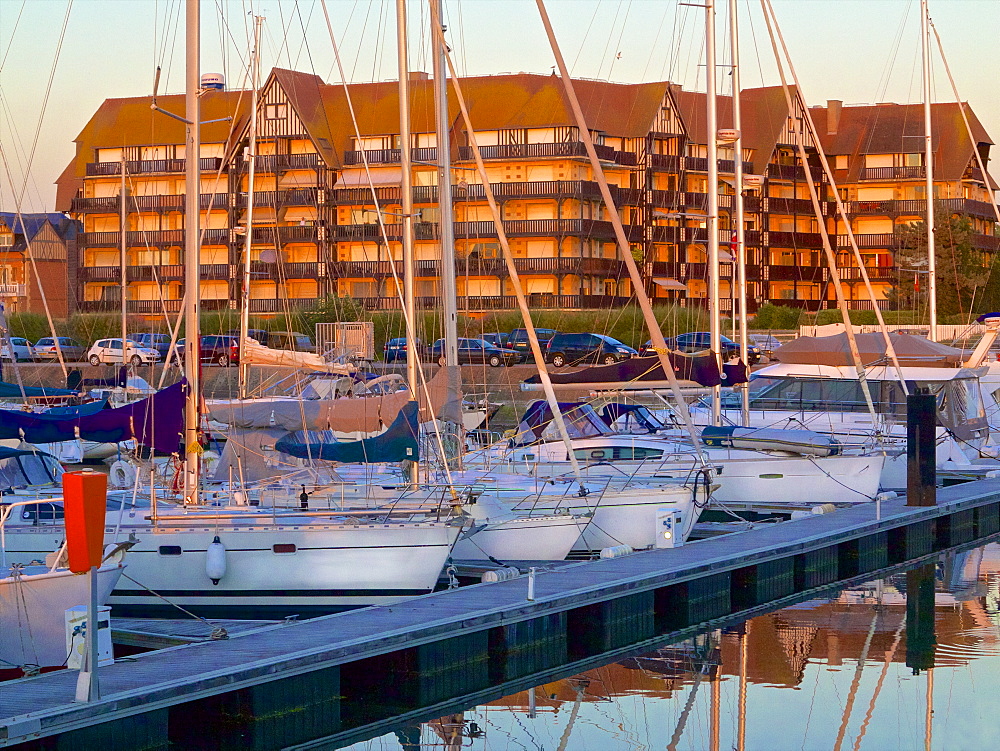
13 391
156 422
398 443
580 419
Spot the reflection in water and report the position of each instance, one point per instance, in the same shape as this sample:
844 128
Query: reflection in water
908 662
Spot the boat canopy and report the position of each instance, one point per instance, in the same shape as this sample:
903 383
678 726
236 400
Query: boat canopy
631 418
156 422
697 369
26 466
911 350
398 443
536 423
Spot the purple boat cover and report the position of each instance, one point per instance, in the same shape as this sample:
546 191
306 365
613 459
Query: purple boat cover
700 368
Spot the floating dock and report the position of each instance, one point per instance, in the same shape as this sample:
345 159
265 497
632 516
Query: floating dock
430 648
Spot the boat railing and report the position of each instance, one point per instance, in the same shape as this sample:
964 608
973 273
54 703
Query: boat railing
8 509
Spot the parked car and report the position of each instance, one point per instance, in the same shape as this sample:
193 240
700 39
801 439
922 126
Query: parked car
586 349
24 351
396 349
477 352
291 340
72 350
223 350
106 351
498 340
258 335
517 340
697 341
159 342
764 342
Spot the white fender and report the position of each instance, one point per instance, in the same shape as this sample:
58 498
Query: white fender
215 560
122 474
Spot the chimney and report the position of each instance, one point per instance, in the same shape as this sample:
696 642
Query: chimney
833 108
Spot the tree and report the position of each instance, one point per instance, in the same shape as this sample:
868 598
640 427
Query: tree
962 272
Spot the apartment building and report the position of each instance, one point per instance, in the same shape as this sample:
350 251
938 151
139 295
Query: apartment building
323 180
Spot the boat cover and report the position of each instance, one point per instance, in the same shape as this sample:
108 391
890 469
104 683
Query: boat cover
635 418
27 466
13 391
805 442
581 422
368 414
156 422
912 351
398 443
646 372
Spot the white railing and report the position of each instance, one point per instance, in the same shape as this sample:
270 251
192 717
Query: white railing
12 290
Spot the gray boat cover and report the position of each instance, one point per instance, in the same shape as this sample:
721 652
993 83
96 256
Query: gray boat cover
913 351
367 414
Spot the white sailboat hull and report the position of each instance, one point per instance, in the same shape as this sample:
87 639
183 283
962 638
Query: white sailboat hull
529 538
302 567
32 612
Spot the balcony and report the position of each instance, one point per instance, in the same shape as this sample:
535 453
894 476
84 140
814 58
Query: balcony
786 172
918 207
793 206
148 273
774 239
893 173
482 229
986 242
567 149
173 202
474 192
13 290
605 267
388 156
851 273
279 198
281 162
538 301
306 270
281 305
874 241
152 237
150 166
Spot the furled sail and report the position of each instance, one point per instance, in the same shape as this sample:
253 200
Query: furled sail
255 353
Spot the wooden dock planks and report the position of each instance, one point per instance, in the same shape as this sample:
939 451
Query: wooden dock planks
44 705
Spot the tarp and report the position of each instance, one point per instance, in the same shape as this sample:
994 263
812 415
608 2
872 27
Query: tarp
912 351
367 414
638 418
701 368
157 422
398 443
13 391
24 467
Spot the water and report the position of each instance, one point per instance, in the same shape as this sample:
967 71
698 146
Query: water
907 662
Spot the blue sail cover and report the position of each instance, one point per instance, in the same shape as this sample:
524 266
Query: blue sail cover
13 391
156 422
398 443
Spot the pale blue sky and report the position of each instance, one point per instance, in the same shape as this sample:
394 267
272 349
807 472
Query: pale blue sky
859 51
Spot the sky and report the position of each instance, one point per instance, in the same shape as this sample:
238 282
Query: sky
59 59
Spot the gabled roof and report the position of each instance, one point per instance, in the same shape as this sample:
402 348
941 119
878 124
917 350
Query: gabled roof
29 225
899 129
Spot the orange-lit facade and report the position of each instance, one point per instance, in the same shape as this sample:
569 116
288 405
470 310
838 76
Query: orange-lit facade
321 186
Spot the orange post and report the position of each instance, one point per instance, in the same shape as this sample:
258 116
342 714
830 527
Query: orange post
85 499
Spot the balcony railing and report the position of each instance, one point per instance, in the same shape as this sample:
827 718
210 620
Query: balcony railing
280 305
277 198
777 239
605 267
278 162
474 192
148 273
668 162
148 166
876 240
135 238
567 149
786 171
543 301
918 207
513 228
13 290
389 156
893 173
173 202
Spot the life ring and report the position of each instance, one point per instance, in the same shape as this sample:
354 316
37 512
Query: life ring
122 474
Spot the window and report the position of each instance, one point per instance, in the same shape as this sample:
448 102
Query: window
284 547
170 549
275 111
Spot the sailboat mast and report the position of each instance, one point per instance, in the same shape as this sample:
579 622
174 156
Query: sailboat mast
925 46
251 156
192 252
446 226
406 192
123 289
739 250
712 219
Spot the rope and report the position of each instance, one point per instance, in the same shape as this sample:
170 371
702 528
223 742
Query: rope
218 632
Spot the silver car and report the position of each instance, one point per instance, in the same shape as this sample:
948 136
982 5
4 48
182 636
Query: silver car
110 351
72 350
